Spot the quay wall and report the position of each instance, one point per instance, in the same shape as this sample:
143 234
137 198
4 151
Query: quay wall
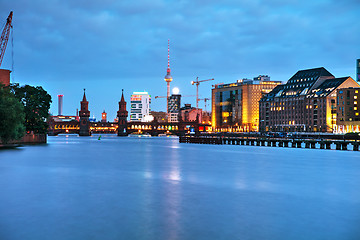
29 138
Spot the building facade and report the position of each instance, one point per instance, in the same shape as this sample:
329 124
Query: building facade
306 102
348 110
140 106
160 117
174 107
235 106
190 114
358 70
5 77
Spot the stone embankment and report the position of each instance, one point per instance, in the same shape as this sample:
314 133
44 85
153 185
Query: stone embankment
29 138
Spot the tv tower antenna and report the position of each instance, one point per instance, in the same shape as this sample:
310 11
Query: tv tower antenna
168 79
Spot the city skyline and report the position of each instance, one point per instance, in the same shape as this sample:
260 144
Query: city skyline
106 47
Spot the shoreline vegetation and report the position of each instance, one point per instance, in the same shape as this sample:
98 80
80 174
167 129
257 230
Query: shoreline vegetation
24 111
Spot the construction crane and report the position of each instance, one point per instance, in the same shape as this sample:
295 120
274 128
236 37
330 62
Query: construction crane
197 83
5 36
181 96
205 100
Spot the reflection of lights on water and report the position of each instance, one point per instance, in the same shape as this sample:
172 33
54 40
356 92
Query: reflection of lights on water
240 185
148 175
174 176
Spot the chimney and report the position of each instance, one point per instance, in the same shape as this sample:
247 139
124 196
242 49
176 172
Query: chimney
60 106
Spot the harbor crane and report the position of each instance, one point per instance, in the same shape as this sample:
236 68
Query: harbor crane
181 96
205 100
197 83
5 36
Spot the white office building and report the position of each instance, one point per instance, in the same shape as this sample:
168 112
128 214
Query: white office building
140 107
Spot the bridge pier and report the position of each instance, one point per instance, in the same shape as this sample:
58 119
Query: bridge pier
338 145
344 146
355 146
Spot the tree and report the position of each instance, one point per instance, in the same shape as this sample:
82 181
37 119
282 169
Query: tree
36 103
12 117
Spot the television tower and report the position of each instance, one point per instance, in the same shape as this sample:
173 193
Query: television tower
168 79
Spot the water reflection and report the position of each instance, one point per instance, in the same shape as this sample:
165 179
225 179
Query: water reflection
156 188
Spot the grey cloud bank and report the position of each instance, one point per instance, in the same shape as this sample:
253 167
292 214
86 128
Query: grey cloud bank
108 45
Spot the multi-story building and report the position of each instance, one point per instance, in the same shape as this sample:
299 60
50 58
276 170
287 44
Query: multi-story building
140 106
358 70
174 107
5 77
235 106
348 110
307 102
190 114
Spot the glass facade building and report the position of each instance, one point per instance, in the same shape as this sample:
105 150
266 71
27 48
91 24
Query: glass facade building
235 106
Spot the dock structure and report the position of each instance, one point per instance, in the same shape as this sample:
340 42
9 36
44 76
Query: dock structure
273 142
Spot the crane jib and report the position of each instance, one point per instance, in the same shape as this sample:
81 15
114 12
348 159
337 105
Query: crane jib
5 36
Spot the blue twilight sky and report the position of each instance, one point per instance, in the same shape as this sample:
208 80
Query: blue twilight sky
107 45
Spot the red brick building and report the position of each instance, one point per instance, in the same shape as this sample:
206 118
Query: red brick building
307 102
5 77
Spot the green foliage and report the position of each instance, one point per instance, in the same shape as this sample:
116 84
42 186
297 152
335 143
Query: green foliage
36 103
12 116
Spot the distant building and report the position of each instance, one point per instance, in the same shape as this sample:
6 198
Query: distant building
307 102
206 117
160 117
5 77
358 70
348 110
104 116
60 104
235 106
174 107
140 106
65 118
190 114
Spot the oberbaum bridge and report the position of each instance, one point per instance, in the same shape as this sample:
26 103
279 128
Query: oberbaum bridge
84 127
122 127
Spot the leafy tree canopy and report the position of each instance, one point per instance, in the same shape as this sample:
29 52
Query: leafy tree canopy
12 116
36 102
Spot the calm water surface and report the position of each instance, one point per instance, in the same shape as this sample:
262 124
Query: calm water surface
155 188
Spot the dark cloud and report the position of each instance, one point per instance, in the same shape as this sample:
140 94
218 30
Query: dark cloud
109 44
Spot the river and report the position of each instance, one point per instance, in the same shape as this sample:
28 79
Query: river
156 188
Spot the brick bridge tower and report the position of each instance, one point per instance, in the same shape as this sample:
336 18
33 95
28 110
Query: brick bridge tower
122 115
84 117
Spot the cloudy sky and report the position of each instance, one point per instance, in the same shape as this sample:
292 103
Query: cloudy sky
107 45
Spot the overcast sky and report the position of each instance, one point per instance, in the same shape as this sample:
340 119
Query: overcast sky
109 45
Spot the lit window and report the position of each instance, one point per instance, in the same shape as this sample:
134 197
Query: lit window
355 97
355 102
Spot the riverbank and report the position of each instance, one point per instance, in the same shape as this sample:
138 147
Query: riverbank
27 139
